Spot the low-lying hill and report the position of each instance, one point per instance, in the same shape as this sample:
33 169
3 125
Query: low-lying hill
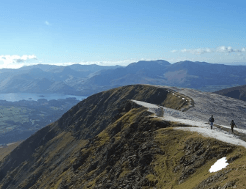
109 141
238 92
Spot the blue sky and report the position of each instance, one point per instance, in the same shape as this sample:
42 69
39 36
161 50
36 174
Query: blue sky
120 32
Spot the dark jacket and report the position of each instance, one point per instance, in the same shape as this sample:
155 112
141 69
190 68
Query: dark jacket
233 123
211 119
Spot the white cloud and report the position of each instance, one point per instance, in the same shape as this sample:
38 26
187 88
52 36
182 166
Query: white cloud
206 50
16 58
174 51
197 51
224 49
47 23
15 61
221 49
110 63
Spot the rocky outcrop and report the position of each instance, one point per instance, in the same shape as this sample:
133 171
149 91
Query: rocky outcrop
197 153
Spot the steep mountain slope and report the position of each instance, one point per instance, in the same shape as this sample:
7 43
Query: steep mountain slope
5 150
110 141
238 92
39 155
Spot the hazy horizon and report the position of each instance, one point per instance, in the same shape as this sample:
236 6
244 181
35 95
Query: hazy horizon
110 64
121 32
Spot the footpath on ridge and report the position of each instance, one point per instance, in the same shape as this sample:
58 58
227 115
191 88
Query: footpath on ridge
195 119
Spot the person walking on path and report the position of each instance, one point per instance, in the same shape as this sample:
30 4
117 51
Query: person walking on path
232 125
211 120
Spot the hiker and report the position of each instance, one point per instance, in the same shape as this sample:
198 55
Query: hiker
211 120
232 125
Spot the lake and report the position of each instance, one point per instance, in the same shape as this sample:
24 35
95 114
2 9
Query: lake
13 97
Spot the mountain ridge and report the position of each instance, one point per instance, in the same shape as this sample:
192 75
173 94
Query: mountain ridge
73 127
109 141
86 80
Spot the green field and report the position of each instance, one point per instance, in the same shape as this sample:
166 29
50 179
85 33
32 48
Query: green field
18 120
11 117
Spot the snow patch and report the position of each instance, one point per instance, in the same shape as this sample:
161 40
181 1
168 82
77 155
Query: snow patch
218 165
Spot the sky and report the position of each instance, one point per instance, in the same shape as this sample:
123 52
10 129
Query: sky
119 32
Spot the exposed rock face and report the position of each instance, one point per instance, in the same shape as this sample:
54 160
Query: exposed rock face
218 177
108 141
197 153
125 160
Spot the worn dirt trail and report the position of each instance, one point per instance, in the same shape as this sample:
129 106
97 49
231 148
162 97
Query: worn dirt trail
224 109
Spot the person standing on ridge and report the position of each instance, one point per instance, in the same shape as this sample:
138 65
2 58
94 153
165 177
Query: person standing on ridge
232 125
211 120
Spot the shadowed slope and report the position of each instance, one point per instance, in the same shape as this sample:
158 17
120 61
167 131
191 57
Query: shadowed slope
53 149
238 92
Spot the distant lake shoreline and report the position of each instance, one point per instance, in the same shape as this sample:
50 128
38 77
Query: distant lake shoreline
13 97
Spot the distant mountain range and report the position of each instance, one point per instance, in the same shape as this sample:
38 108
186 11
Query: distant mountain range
49 78
88 79
198 75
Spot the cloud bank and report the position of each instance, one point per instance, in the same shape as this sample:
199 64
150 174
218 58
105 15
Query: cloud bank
221 49
14 61
16 58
